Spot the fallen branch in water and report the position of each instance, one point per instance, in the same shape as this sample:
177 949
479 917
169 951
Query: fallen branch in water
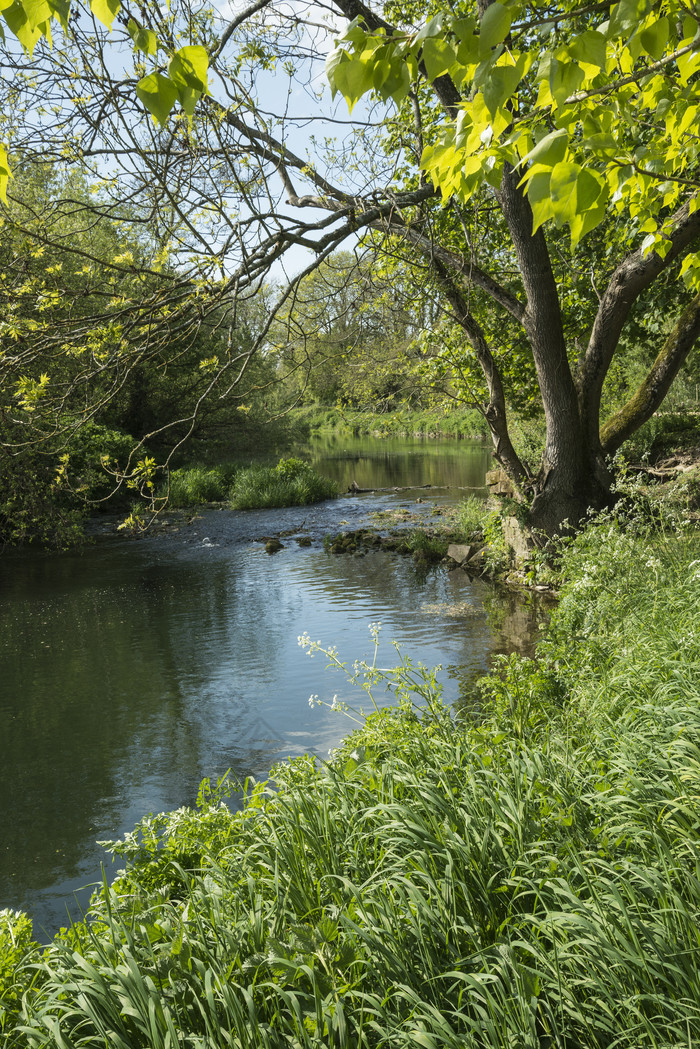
355 489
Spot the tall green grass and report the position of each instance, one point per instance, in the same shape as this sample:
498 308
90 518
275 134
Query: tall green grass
291 483
526 878
194 485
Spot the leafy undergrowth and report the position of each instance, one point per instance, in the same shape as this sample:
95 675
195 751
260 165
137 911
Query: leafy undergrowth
527 879
194 485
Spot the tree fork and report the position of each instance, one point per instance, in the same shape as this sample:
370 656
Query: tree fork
651 392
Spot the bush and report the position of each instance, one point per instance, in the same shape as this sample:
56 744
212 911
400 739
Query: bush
45 494
467 423
470 517
291 483
16 949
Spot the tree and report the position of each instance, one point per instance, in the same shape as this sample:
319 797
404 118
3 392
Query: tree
349 334
86 398
514 151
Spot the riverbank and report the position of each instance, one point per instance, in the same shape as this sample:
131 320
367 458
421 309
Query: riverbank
465 423
523 875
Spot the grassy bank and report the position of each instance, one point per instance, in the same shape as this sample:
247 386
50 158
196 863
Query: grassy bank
406 423
525 879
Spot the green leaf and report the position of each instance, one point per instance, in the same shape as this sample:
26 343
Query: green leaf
565 78
392 80
500 85
437 56
589 49
627 15
590 187
353 78
464 28
16 18
333 60
549 150
495 26
105 10
37 11
690 271
430 29
563 190
655 37
5 173
688 64
188 68
540 199
158 94
144 39
355 33
61 10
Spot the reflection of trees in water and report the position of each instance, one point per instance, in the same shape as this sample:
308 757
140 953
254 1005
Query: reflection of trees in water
515 621
398 463
104 664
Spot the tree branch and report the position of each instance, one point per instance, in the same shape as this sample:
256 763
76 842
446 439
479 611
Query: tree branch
467 269
633 276
655 386
495 411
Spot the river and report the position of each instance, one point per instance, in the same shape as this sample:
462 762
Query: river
130 669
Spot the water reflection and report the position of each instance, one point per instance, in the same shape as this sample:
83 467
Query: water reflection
400 462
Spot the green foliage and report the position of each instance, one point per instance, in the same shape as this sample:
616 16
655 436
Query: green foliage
463 423
496 553
426 546
575 138
16 949
290 483
350 337
662 434
45 493
470 517
193 485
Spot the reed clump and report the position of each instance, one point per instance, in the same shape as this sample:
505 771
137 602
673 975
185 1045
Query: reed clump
292 482
525 877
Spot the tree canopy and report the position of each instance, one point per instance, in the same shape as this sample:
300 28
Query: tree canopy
535 166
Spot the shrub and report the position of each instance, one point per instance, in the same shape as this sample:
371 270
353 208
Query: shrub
16 948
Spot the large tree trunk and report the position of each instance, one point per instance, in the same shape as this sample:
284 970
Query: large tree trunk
566 492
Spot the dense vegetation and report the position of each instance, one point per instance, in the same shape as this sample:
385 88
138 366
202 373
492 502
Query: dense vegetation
508 210
521 876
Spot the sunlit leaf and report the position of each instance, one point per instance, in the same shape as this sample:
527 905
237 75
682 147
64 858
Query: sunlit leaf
655 37
158 94
105 10
5 173
437 56
17 21
495 26
188 68
353 79
144 39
